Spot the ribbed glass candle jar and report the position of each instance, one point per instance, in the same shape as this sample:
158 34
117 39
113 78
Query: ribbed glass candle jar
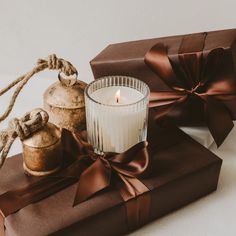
116 113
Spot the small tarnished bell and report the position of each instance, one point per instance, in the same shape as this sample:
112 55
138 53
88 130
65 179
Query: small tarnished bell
42 149
64 102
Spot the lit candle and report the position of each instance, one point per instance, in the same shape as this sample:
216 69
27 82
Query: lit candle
116 113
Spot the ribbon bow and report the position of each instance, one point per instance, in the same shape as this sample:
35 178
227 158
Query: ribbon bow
126 166
94 173
208 76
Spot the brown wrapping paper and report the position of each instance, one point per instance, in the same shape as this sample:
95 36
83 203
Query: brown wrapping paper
181 168
128 59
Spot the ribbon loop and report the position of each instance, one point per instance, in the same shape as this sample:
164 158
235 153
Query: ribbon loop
94 179
127 166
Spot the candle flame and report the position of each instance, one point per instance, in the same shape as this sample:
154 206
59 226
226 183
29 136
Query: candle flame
117 96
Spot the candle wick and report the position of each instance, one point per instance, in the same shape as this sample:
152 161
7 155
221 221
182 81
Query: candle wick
117 96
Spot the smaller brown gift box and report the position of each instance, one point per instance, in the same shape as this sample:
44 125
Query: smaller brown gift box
198 64
183 171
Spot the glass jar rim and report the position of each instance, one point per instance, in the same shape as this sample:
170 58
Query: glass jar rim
145 96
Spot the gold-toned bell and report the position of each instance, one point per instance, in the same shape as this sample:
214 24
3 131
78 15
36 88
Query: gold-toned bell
64 102
42 148
42 151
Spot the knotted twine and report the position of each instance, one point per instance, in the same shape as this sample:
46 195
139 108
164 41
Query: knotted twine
36 119
22 128
52 63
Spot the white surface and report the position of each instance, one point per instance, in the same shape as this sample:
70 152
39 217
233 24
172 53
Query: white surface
200 134
77 30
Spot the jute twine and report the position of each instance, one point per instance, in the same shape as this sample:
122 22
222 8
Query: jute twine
52 63
22 128
35 120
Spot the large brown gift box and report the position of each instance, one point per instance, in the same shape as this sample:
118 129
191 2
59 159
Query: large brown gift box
183 171
198 64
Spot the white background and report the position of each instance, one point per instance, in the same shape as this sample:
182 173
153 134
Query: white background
79 30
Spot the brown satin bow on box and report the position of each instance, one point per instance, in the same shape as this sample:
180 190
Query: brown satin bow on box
206 75
93 174
127 166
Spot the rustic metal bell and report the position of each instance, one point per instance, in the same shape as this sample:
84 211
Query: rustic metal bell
42 151
64 102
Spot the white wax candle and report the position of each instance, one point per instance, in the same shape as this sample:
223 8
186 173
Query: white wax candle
117 125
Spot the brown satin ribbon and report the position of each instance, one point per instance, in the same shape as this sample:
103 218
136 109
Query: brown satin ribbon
127 167
94 173
207 75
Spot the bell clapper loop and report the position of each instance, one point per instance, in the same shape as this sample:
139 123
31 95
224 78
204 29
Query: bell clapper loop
69 81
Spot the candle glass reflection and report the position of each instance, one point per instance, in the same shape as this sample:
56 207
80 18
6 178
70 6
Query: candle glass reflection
116 113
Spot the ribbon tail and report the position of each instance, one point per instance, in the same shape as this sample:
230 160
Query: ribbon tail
138 209
218 119
16 199
132 187
94 179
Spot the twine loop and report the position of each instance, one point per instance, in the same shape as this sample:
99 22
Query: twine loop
52 63
22 128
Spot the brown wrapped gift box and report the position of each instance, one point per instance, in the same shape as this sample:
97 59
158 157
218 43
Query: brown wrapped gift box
181 168
128 59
